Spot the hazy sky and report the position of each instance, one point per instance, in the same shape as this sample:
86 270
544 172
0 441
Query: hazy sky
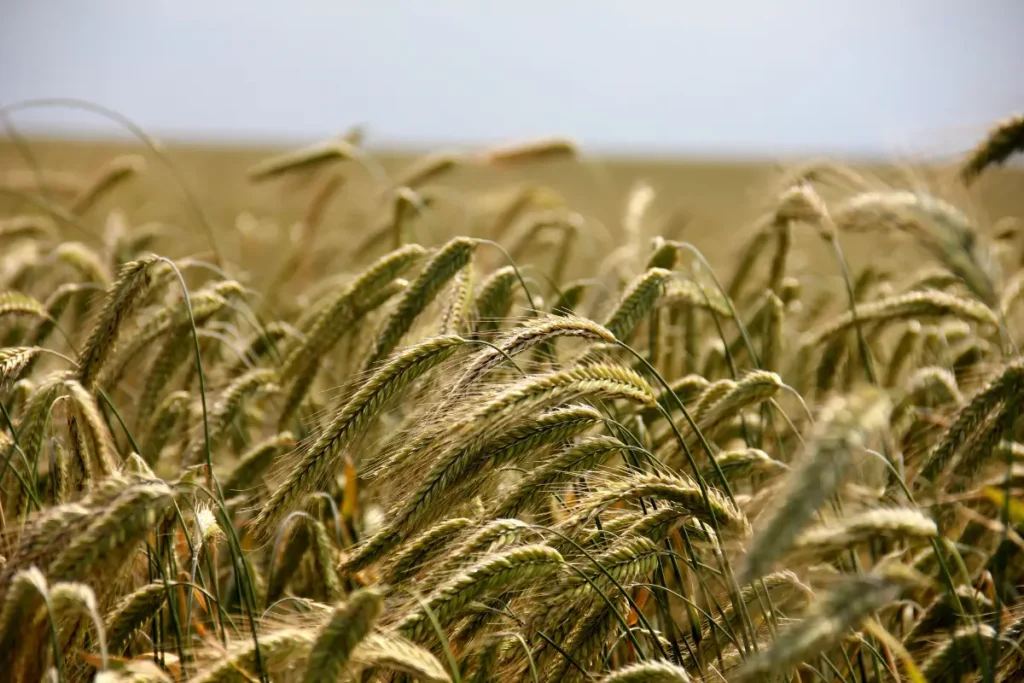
872 77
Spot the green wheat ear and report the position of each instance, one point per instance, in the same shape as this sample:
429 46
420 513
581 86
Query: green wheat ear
444 265
637 301
132 612
424 548
494 300
133 281
322 455
498 572
346 307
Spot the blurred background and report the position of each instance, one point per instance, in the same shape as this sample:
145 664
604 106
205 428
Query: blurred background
701 100
860 78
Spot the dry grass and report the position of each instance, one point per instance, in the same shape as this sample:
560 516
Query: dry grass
508 415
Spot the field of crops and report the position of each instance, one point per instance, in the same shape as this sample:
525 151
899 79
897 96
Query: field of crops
508 415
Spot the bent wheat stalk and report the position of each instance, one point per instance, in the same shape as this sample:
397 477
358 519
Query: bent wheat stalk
322 455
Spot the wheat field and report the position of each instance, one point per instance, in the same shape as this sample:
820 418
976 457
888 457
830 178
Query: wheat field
508 414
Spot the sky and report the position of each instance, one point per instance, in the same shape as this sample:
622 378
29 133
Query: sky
856 77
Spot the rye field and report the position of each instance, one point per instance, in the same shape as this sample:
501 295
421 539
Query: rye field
509 413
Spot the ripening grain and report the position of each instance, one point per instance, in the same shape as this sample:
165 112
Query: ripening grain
429 461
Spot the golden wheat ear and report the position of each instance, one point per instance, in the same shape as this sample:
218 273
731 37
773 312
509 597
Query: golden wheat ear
280 650
530 151
1004 140
114 534
648 672
18 304
844 425
306 158
845 607
105 180
30 227
428 169
350 622
495 573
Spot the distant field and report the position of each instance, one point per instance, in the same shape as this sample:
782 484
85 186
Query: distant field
710 203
